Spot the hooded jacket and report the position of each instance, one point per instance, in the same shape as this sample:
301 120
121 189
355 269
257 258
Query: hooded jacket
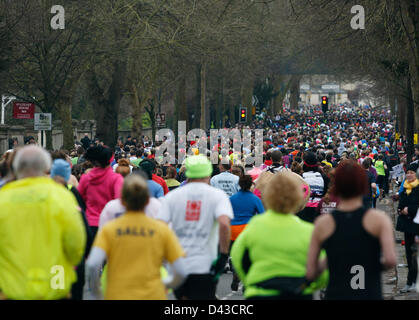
97 188
42 239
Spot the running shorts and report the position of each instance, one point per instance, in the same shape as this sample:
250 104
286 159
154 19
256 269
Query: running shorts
236 230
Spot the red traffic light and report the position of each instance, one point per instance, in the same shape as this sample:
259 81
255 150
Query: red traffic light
243 114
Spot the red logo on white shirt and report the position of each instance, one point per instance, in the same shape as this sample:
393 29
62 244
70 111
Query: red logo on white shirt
193 210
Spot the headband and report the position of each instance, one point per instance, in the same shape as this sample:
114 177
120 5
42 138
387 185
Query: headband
310 165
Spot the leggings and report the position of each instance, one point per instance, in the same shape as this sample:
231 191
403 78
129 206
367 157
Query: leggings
411 254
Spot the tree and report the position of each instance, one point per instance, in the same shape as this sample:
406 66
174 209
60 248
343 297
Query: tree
45 63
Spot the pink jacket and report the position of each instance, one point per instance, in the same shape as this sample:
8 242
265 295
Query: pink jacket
97 188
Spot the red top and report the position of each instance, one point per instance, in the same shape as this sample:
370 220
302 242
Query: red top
161 182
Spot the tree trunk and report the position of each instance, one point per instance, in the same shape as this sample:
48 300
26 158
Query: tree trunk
279 99
246 99
232 112
67 125
401 112
410 15
183 111
414 88
107 114
392 103
197 106
48 137
203 122
137 114
220 108
410 121
295 92
151 110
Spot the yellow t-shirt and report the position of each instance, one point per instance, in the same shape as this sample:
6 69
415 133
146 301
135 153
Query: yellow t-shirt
136 247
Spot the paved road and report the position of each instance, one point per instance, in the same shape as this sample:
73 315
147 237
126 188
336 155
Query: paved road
224 291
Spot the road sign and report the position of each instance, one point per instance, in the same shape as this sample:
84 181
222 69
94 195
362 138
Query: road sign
161 119
43 121
330 87
255 100
23 110
415 138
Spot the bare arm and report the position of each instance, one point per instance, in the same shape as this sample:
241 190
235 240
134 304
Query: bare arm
374 188
387 244
224 232
178 276
313 255
93 269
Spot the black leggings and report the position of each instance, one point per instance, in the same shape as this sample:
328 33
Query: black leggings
93 231
411 254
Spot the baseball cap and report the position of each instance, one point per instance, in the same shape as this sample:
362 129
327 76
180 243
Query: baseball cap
198 167
61 168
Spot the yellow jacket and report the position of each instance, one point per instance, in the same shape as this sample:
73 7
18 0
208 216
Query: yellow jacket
42 239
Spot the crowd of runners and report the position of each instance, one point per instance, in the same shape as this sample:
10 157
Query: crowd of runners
118 223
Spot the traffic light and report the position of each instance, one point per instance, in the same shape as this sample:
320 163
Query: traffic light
325 104
243 115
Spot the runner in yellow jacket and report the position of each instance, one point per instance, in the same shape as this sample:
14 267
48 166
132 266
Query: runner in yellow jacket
42 239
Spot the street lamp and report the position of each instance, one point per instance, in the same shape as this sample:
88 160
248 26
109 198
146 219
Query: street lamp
5 100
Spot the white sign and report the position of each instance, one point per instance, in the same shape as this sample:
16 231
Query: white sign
330 87
255 101
305 87
397 171
42 121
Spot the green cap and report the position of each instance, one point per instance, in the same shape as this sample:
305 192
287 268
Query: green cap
198 167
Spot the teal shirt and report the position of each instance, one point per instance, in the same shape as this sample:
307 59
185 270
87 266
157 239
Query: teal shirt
278 246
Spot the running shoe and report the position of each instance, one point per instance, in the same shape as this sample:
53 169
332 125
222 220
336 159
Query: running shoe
407 288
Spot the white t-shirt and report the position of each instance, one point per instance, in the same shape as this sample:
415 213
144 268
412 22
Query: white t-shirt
114 209
227 182
193 212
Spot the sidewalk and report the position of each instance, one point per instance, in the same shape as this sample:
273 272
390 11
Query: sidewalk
394 280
